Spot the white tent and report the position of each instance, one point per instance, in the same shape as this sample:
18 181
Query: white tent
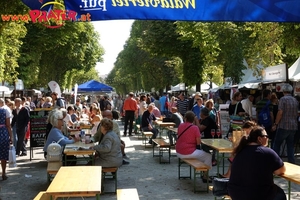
249 80
204 87
294 71
5 91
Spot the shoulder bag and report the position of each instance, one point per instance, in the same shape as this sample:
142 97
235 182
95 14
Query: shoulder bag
235 116
184 131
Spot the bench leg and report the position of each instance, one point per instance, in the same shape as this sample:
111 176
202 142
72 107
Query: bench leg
195 179
113 176
179 169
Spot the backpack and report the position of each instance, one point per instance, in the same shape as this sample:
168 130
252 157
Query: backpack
264 117
54 151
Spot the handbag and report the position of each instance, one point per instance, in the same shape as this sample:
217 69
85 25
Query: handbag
220 186
236 117
12 161
54 151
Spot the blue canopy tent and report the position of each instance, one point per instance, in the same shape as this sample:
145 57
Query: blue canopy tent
94 86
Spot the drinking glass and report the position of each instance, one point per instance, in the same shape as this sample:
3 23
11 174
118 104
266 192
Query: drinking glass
213 132
218 132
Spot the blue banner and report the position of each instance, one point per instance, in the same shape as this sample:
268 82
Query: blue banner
187 10
37 4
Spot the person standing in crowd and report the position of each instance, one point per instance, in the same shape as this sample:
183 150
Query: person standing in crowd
23 117
57 102
48 102
142 107
198 107
5 136
164 103
147 122
193 100
247 105
172 103
286 122
182 104
253 168
235 104
189 141
31 103
131 112
259 107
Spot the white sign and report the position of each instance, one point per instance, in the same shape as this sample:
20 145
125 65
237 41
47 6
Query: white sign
275 74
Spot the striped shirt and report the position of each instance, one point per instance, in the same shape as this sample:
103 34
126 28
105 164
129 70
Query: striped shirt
289 107
182 106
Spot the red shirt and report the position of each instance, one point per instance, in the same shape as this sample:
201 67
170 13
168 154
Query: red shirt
130 105
186 144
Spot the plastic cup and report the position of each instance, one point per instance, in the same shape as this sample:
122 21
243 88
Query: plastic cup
87 139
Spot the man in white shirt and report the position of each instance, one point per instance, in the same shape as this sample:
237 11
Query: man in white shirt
247 105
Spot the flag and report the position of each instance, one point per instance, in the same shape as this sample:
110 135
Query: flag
54 87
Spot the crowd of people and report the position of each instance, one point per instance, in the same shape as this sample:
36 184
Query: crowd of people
195 118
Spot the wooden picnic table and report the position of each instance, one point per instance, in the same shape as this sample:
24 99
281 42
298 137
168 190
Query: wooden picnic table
77 181
221 146
292 174
79 149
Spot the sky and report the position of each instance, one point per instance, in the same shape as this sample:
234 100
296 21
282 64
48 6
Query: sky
113 35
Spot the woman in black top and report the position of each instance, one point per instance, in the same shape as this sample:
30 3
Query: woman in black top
236 101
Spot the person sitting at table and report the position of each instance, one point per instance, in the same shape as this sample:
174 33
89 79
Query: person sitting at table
177 119
206 125
247 127
189 140
253 168
56 120
109 148
198 106
99 136
95 118
67 119
147 120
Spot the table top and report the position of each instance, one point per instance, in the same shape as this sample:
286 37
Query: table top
221 145
76 181
292 172
172 129
73 149
164 124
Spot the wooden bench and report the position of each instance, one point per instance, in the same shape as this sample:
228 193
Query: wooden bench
125 194
52 169
146 136
162 146
113 175
225 197
42 196
199 169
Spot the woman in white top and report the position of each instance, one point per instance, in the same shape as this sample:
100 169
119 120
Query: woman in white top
95 118
67 118
143 105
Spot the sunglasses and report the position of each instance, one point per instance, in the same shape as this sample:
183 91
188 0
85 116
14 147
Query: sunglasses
265 136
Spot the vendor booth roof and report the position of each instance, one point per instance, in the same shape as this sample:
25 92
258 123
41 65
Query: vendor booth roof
294 71
94 86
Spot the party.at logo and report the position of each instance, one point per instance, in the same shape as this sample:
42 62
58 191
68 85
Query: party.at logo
53 18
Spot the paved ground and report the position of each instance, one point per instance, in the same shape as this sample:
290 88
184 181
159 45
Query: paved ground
152 180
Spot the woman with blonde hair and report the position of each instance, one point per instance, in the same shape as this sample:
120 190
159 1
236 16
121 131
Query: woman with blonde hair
172 103
95 118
